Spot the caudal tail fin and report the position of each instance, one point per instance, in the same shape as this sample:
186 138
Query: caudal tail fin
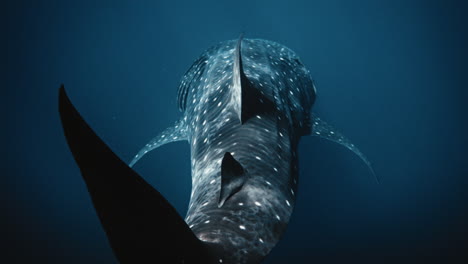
141 226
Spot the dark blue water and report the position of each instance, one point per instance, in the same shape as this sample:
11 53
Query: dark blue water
390 76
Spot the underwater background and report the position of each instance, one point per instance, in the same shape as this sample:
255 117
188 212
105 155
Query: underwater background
390 75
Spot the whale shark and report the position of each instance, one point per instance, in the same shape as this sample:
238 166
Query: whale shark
246 103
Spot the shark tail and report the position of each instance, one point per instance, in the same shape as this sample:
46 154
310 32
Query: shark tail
141 225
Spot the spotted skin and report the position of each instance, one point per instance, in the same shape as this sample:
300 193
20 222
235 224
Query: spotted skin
245 109
251 222
247 225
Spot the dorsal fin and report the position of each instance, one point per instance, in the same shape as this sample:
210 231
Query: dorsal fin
250 102
233 177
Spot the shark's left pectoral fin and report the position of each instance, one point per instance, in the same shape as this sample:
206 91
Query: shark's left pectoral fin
141 226
323 130
177 132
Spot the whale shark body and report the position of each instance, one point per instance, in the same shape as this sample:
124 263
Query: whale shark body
246 103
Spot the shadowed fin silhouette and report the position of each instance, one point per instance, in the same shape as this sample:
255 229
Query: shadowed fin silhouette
141 226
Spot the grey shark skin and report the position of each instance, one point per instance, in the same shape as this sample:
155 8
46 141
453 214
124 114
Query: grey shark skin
246 104
249 101
249 222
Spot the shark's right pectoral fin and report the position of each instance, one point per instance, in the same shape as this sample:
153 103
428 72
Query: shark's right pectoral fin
141 226
322 129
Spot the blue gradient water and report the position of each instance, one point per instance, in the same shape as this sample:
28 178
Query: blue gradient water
390 76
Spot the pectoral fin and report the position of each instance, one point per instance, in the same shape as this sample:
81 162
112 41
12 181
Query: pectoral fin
323 130
177 132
